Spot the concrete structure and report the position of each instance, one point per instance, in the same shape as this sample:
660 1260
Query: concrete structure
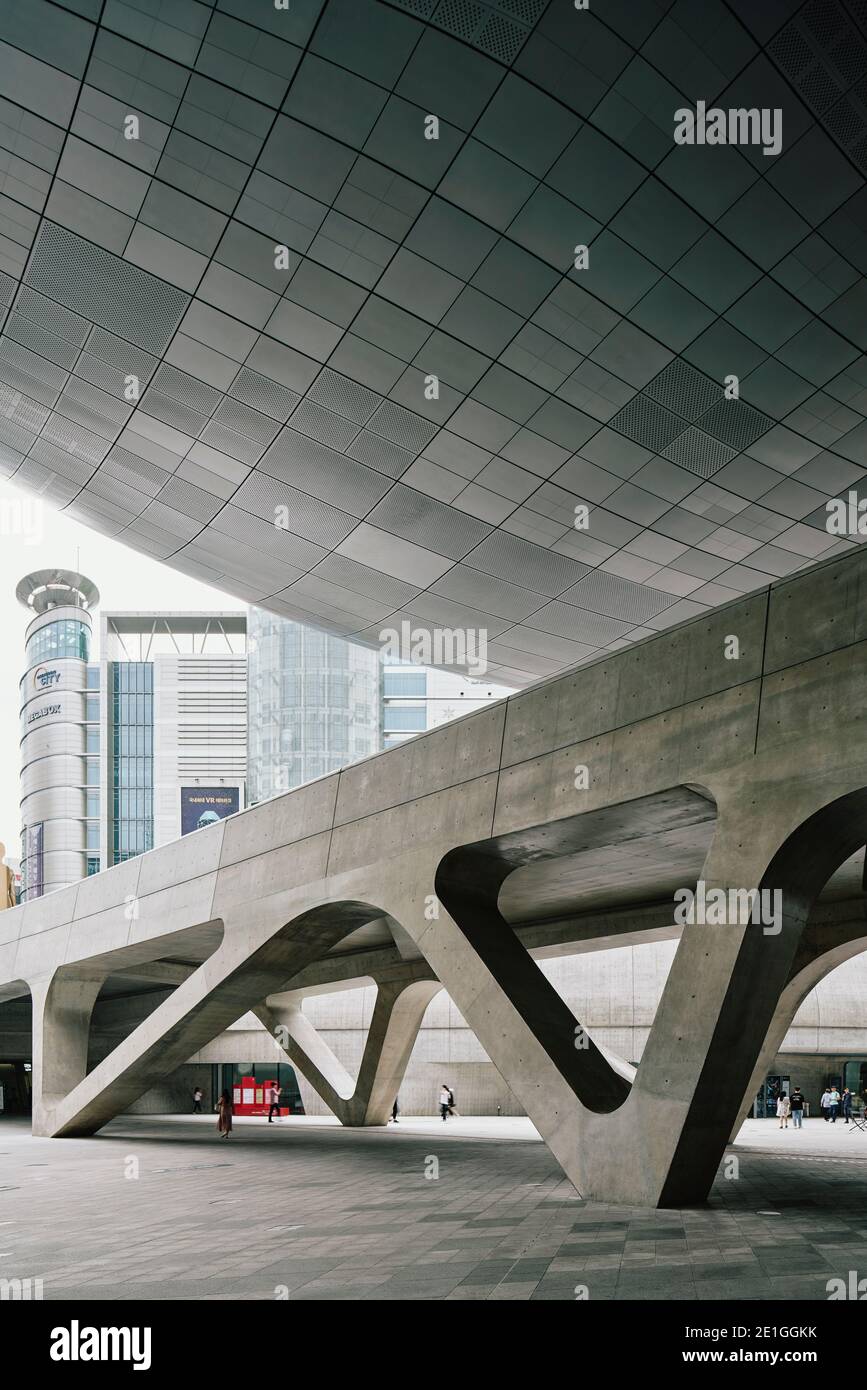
54 738
729 753
260 326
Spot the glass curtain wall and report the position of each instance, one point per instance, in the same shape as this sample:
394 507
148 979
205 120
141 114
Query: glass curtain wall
132 739
314 704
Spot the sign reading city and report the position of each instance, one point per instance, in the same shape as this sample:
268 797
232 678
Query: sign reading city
45 679
201 806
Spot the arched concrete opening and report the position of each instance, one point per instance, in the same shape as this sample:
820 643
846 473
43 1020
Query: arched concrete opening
231 982
486 888
831 933
764 984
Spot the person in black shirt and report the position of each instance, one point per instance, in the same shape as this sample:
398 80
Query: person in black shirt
797 1101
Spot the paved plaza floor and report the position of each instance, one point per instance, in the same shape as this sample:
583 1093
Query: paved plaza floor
157 1207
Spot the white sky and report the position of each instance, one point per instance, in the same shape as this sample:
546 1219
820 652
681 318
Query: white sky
34 537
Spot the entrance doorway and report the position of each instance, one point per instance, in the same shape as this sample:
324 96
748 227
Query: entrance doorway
765 1104
15 1088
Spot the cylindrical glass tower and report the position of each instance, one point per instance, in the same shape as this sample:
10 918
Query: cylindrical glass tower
55 770
314 704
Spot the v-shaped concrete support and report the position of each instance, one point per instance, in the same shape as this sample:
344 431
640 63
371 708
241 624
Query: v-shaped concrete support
397 1017
246 968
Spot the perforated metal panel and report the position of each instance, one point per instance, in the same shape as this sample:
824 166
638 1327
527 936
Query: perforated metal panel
307 385
698 452
647 423
735 423
111 292
264 394
684 390
343 396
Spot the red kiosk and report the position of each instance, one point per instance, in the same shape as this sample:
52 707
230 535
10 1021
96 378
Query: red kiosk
248 1097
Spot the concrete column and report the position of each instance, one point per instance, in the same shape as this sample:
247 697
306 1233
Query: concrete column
397 1017
62 1008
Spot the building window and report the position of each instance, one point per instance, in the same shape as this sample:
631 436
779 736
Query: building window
92 741
65 638
93 834
91 713
93 677
132 779
92 772
92 799
405 718
92 864
406 685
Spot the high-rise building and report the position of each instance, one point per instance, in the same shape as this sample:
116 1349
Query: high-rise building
56 743
172 731
315 703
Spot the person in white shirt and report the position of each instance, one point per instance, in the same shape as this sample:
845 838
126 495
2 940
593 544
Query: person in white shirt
784 1110
272 1096
825 1103
445 1101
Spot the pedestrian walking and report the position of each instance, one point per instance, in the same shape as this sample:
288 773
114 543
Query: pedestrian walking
784 1110
445 1101
394 1111
273 1095
197 1101
825 1103
846 1105
796 1100
224 1119
834 1104
452 1107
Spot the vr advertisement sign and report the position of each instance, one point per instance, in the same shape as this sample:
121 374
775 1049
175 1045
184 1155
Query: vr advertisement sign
201 806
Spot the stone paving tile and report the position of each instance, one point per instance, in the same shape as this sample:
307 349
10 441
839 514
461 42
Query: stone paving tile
332 1215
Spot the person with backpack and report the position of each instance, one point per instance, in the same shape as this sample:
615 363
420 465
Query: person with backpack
452 1110
796 1100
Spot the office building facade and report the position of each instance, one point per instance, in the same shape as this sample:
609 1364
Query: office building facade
315 703
172 730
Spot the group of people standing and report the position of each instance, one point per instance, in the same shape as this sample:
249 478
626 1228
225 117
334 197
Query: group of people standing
832 1104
